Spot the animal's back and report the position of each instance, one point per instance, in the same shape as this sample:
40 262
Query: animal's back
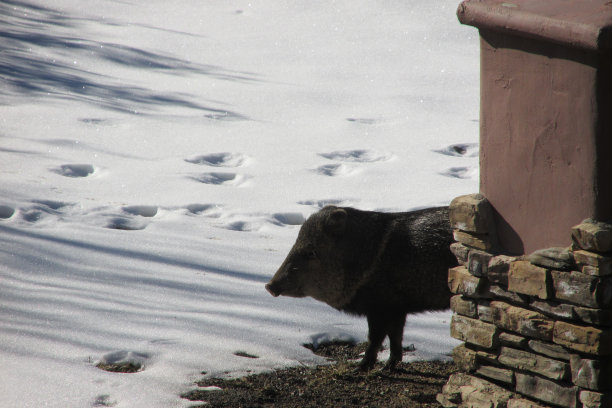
411 272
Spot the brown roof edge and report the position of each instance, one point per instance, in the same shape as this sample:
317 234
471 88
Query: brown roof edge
584 24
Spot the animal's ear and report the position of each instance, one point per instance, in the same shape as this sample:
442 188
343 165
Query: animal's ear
336 222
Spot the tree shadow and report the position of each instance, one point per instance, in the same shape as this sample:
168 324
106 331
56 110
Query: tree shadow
137 255
40 45
68 295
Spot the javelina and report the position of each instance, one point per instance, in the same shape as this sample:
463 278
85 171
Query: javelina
381 265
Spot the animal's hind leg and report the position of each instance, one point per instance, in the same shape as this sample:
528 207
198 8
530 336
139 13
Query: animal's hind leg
395 329
377 327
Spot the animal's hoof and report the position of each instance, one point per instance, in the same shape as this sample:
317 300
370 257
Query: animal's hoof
390 368
364 367
360 370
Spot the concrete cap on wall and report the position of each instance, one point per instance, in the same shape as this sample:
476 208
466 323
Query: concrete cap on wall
584 24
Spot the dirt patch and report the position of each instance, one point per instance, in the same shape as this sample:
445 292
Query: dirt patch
338 385
126 367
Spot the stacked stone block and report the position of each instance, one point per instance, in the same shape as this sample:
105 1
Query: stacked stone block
537 329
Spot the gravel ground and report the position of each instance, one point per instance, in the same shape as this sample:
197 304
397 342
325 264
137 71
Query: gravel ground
337 385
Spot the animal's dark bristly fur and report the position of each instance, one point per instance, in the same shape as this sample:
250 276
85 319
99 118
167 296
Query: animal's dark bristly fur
381 265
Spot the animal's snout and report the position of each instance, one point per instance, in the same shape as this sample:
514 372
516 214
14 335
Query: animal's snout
273 291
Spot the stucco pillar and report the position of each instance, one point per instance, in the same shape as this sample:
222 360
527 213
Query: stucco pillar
546 116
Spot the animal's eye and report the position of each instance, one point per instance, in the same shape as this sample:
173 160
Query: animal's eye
313 254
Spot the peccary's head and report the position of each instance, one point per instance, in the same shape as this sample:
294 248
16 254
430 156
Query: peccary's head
313 267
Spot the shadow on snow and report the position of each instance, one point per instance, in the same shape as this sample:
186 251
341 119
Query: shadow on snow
37 60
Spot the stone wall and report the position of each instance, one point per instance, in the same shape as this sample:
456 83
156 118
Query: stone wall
537 329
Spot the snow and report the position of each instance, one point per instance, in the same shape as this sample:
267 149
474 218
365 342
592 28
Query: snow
157 159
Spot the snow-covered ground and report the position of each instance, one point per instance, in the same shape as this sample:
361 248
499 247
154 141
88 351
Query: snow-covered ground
157 159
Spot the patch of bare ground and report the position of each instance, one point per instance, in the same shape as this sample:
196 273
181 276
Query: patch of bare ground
337 385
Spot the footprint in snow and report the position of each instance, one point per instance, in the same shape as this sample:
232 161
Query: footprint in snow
288 218
460 150
244 354
44 210
94 121
123 361
52 204
142 210
133 219
221 178
33 216
460 172
75 170
6 211
241 226
104 400
164 342
210 210
256 222
361 156
323 203
335 170
363 121
126 223
224 159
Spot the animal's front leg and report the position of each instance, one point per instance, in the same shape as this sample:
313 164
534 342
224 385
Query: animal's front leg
376 334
